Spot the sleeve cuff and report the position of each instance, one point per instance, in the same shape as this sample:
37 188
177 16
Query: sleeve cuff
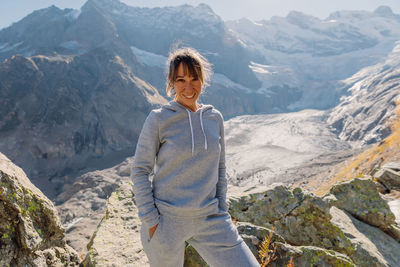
223 204
153 220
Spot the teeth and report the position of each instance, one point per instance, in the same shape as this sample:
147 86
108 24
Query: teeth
189 96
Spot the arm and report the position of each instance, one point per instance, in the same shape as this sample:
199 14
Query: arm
222 181
143 164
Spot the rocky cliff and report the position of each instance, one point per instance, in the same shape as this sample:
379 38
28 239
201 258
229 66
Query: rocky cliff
365 115
30 229
59 114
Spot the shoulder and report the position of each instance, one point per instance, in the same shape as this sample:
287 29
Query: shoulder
153 116
215 112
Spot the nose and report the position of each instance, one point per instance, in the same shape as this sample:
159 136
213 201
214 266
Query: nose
188 86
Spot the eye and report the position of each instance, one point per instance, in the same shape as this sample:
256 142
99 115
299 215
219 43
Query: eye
180 80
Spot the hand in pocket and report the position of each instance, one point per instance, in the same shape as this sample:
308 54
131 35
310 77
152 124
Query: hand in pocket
152 230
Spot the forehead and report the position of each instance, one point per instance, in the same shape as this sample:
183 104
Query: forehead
183 70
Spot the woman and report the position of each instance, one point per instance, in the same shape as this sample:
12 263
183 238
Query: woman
184 142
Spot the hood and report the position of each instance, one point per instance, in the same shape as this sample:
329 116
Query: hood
177 107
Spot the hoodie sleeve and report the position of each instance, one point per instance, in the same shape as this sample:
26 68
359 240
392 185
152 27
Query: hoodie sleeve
222 181
143 164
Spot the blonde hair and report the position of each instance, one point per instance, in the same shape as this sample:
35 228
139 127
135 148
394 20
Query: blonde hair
193 63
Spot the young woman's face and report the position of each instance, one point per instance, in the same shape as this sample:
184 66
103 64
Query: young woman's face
187 88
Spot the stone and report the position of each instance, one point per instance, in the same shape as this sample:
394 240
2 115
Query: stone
389 178
116 241
309 256
253 235
395 166
361 199
31 233
381 187
372 247
301 218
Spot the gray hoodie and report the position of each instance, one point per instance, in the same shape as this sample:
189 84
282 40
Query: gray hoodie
185 151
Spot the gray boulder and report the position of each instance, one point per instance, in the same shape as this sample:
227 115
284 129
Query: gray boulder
253 235
372 247
304 256
390 178
361 199
31 233
395 166
300 218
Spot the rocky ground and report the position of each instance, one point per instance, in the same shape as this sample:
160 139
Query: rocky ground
352 225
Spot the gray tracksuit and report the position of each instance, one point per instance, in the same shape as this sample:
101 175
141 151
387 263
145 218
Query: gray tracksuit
185 151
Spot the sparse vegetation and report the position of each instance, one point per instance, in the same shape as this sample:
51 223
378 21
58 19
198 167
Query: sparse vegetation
267 250
364 163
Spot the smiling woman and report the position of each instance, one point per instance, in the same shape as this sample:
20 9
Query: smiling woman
182 144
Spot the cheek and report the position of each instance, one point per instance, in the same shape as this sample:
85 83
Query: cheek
198 89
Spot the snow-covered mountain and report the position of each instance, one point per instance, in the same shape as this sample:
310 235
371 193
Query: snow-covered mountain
313 54
364 115
78 93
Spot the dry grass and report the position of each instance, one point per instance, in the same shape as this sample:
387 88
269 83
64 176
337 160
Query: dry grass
385 151
267 250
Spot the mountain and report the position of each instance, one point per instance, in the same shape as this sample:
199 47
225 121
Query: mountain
364 114
59 114
312 54
74 94
100 20
76 85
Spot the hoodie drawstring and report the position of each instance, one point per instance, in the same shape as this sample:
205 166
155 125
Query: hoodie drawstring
202 128
191 131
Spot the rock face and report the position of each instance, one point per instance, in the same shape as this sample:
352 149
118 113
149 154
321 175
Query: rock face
30 230
389 176
304 220
71 99
362 115
361 199
82 205
253 235
372 247
116 241
288 211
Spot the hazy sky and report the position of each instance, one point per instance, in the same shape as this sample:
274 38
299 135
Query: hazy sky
14 10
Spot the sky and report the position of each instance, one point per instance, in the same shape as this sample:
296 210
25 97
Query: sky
14 10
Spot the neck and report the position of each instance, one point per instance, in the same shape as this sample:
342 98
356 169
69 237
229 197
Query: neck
193 107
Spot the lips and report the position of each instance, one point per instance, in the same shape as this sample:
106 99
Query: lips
189 97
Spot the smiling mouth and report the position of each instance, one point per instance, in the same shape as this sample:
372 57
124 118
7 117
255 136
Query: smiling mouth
189 97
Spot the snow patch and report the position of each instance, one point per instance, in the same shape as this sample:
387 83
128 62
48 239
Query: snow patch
6 47
74 14
330 21
72 223
71 45
260 68
395 207
149 58
256 23
221 79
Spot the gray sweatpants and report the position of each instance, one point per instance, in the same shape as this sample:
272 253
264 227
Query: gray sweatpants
214 237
